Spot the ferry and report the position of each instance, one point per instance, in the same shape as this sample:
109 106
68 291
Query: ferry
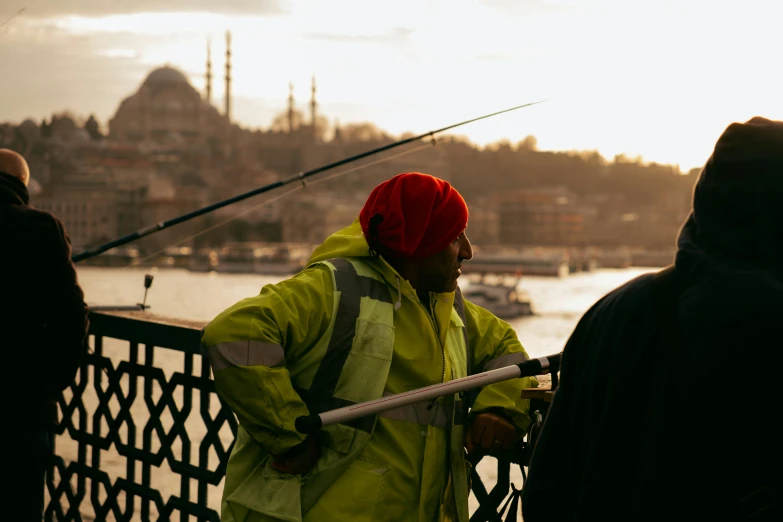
548 266
504 298
258 258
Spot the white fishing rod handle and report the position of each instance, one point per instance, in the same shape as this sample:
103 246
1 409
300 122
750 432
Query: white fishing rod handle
529 368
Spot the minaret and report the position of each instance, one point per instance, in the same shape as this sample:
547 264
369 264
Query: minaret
208 95
291 107
228 75
313 110
338 134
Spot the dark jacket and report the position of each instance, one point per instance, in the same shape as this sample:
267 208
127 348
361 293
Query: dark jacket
43 316
677 420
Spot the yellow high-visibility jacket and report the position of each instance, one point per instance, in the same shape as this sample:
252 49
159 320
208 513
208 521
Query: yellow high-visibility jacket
348 329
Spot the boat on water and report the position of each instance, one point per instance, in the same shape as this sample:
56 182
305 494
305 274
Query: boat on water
581 260
174 257
501 296
250 258
116 257
553 265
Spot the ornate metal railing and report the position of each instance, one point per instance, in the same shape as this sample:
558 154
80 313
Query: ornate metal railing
144 436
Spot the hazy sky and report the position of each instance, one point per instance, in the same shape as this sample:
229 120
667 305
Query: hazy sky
660 79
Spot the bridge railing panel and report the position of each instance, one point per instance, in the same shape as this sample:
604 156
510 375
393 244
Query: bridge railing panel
143 435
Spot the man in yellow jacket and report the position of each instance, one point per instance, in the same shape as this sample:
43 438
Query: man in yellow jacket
376 312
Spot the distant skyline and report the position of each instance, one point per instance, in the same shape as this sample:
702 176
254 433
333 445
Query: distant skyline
660 80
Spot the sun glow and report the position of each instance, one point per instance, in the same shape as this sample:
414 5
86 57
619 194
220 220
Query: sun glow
660 80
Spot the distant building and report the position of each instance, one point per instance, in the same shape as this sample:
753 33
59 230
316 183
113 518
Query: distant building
89 211
483 226
541 217
166 199
312 219
168 109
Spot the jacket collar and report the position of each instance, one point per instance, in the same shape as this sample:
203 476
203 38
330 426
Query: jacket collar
12 190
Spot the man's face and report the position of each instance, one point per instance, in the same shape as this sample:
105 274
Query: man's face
439 273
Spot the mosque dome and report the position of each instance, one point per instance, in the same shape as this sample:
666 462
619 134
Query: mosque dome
166 76
167 108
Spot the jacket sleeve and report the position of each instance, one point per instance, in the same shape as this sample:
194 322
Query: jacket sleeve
494 344
250 344
67 327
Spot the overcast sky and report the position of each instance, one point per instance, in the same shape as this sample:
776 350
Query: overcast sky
657 79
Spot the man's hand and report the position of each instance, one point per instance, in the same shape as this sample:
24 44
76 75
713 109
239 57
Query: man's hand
298 460
491 433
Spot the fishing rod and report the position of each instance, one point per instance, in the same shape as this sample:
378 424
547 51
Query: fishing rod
8 20
301 177
542 365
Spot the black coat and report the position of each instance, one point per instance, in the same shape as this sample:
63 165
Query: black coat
680 424
43 316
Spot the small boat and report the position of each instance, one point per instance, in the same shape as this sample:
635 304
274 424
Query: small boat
505 300
174 257
258 258
550 265
116 257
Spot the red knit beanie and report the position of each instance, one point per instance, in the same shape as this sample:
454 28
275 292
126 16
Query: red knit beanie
420 215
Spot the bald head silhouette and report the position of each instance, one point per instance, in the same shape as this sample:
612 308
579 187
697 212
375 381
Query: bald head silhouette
14 164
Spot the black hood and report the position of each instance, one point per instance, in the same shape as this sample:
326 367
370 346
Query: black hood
731 247
737 216
12 190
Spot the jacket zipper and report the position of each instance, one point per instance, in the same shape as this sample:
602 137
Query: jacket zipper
431 315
